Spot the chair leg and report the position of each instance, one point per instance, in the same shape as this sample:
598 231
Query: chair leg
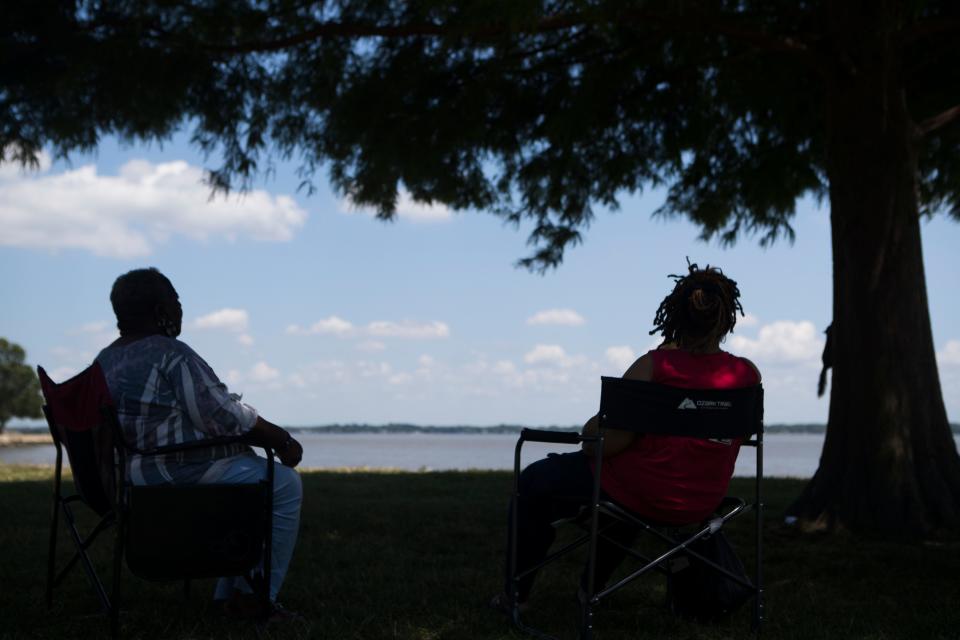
586 621
52 549
117 573
82 557
54 523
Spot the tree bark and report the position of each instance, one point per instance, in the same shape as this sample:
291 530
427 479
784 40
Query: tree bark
889 464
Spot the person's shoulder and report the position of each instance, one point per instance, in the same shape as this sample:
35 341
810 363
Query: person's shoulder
107 352
186 351
642 368
107 358
753 367
747 363
170 349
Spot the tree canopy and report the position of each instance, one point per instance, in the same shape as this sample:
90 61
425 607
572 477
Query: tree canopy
536 110
19 387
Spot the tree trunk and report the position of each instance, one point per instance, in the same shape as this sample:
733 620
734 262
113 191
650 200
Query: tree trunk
889 464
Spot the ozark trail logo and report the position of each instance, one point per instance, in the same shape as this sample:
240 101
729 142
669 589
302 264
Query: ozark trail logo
705 404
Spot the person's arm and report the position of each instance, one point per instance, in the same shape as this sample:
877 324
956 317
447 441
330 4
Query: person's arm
267 434
213 410
615 440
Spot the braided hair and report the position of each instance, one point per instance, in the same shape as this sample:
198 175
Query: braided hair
701 308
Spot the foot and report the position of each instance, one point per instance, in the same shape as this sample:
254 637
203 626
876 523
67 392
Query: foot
281 615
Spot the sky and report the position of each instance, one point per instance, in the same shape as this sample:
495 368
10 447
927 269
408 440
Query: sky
317 313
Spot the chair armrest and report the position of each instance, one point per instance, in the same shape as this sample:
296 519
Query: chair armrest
189 446
558 437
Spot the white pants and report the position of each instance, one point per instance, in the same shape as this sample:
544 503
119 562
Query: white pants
287 495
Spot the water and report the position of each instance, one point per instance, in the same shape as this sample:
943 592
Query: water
786 454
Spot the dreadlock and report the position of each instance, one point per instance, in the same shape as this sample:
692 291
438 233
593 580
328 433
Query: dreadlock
701 308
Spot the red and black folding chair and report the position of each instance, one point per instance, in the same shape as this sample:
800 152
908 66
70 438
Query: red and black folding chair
651 408
165 532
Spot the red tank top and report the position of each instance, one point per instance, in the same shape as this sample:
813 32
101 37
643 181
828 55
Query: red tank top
672 479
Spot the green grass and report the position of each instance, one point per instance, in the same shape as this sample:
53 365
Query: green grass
411 555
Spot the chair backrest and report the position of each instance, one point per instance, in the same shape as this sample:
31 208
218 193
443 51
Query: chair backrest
78 413
650 407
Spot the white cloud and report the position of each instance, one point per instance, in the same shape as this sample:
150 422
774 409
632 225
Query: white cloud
10 170
62 374
227 319
297 380
374 369
950 354
621 357
400 378
748 320
546 353
504 368
408 209
126 215
322 373
389 329
781 341
378 329
263 372
549 370
565 317
90 327
245 339
333 325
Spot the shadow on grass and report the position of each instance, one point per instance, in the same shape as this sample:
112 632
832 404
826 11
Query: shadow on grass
417 555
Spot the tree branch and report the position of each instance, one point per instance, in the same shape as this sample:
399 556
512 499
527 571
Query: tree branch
497 30
367 30
941 119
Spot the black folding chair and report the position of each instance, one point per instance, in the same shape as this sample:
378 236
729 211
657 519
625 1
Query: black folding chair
166 532
651 408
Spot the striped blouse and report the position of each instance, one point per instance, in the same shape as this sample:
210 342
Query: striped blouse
166 394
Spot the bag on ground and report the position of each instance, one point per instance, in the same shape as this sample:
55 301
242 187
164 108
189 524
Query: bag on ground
699 592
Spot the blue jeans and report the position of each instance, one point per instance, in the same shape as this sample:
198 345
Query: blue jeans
287 495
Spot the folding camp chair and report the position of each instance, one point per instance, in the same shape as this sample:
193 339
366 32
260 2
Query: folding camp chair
650 408
165 532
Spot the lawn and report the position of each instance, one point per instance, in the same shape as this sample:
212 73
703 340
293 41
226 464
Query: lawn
417 555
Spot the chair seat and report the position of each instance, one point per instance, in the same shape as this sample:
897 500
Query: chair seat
727 506
195 531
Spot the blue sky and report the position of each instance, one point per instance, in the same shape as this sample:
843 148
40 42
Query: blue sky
318 313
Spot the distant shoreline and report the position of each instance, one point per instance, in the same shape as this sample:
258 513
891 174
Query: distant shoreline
18 438
38 435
